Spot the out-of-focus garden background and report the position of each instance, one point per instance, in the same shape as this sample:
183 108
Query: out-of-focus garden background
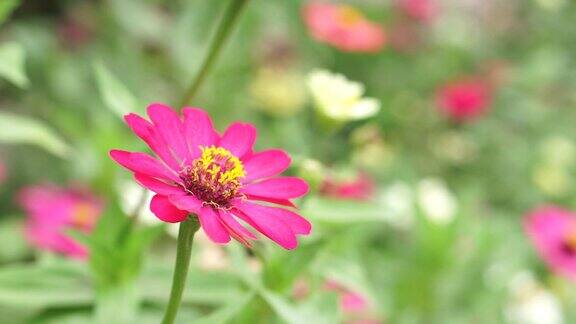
419 199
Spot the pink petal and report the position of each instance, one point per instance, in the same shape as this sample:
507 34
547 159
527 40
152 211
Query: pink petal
159 187
147 133
165 211
297 223
283 202
235 229
170 127
280 188
238 139
265 164
198 130
143 163
210 222
268 224
186 202
353 302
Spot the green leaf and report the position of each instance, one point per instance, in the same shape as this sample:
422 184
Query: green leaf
285 310
6 8
205 288
282 268
12 247
226 313
322 308
114 93
16 129
61 284
12 63
343 212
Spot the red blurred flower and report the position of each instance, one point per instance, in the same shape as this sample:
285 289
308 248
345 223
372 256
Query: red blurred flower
52 211
343 27
361 188
217 177
553 233
464 99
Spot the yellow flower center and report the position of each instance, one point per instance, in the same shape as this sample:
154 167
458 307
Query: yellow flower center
214 177
348 15
570 240
83 215
221 164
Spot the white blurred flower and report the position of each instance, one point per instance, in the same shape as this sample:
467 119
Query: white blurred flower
130 195
313 171
531 303
211 256
436 201
339 98
398 204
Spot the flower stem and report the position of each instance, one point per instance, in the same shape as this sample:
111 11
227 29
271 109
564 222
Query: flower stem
228 20
185 239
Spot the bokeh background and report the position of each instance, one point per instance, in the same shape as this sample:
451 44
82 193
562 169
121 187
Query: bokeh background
418 209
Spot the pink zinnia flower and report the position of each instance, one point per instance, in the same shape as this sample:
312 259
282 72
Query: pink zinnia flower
52 211
421 10
553 232
343 27
464 99
360 188
217 177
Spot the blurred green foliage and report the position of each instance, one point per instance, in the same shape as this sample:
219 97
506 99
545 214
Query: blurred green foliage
70 69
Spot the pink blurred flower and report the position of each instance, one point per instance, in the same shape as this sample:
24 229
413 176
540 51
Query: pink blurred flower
421 10
361 188
356 307
217 177
52 211
553 233
464 99
343 27
3 172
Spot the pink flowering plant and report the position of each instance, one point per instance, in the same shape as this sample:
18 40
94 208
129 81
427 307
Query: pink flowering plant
219 179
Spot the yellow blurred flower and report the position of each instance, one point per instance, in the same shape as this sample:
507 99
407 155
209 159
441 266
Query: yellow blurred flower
559 151
376 155
454 147
340 99
278 92
551 179
552 5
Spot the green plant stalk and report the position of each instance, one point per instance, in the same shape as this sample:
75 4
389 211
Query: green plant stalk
222 34
185 239
189 227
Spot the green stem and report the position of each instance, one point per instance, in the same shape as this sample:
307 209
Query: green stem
222 33
185 239
191 225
